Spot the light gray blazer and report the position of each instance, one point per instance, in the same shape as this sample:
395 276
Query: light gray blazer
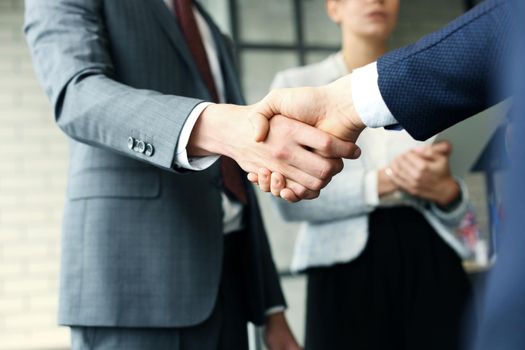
142 242
335 226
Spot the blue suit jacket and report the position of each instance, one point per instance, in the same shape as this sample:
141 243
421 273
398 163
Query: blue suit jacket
503 320
449 75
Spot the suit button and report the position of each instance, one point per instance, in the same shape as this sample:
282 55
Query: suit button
149 150
141 147
131 143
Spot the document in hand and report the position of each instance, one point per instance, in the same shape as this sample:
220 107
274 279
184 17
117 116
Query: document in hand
470 137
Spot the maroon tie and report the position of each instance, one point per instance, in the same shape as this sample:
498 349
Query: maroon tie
231 173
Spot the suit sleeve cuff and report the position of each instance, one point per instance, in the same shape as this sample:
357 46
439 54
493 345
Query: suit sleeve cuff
182 159
367 98
275 310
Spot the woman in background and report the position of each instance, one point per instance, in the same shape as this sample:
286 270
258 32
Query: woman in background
380 274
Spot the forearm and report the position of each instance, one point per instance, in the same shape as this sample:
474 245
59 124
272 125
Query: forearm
449 75
101 112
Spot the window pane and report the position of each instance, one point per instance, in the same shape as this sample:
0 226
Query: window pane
269 21
318 28
420 17
259 69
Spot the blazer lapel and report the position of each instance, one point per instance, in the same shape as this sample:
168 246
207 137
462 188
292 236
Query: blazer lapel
172 30
231 81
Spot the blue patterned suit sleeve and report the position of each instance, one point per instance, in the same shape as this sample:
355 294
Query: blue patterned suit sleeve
449 75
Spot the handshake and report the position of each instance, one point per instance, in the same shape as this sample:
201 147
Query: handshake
300 133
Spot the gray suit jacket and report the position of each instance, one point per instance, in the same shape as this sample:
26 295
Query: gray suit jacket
142 242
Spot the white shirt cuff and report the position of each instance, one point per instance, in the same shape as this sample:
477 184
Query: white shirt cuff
182 159
275 310
371 194
367 98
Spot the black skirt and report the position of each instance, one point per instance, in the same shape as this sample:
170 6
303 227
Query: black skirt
406 291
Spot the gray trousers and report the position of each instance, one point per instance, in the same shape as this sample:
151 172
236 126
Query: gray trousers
225 329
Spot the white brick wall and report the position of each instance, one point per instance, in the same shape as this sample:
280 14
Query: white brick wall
32 183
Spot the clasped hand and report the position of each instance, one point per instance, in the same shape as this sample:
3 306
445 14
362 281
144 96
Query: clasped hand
301 133
328 108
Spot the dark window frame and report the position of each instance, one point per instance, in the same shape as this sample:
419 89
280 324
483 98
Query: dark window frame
301 48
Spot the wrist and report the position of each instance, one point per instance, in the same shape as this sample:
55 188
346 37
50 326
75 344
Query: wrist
385 184
213 132
449 193
341 107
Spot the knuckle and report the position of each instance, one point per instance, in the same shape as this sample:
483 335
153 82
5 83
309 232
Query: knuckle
300 192
327 171
326 144
281 153
316 185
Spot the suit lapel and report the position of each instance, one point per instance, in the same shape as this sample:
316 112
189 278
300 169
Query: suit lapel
231 81
172 30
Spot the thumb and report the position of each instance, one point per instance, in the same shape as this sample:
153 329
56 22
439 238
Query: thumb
263 111
260 126
443 147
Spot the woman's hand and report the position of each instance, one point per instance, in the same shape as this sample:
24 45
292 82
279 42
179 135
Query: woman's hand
424 172
277 334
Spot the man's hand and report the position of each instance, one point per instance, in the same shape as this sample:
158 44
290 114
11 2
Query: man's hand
329 108
300 152
277 334
425 173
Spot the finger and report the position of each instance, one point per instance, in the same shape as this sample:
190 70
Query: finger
260 126
400 176
277 183
288 195
326 145
263 111
413 165
402 183
253 178
314 165
264 179
300 191
443 147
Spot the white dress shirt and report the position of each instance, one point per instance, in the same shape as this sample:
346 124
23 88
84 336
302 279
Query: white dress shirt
335 225
233 210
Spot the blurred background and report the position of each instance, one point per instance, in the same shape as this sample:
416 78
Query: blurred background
33 152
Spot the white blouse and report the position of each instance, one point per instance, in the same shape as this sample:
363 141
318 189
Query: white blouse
335 225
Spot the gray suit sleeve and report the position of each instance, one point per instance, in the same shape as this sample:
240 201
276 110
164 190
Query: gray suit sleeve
69 45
